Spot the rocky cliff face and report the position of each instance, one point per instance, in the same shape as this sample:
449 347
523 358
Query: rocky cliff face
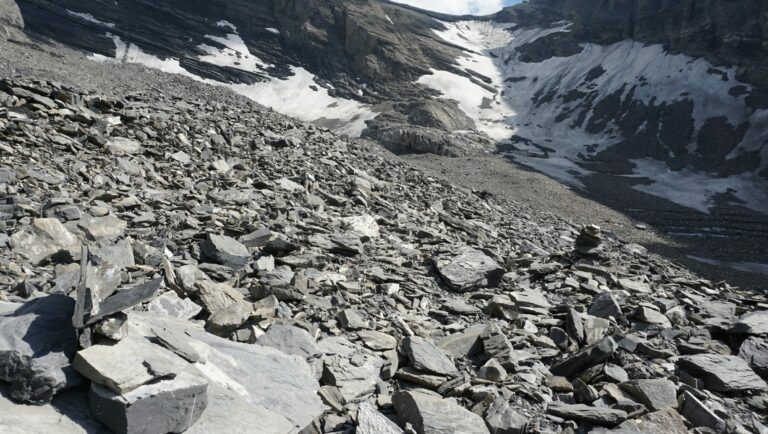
648 94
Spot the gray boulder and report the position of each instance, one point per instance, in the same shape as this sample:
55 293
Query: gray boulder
225 251
370 421
426 356
583 413
430 414
722 373
168 406
290 340
37 343
44 239
584 359
466 269
755 351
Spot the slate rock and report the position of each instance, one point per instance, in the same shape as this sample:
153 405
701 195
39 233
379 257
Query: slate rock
350 319
699 415
290 340
656 394
605 305
225 251
37 343
44 239
464 344
127 365
753 323
467 269
722 373
376 340
755 351
584 359
102 228
169 303
429 414
123 146
501 418
370 421
666 421
167 406
584 413
426 356
226 320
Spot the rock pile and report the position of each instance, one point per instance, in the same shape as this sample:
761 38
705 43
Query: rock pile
198 267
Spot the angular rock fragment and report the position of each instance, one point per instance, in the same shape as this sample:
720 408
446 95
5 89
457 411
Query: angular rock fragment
426 356
585 358
370 421
466 269
722 373
169 303
44 239
700 415
37 343
168 406
503 419
101 228
755 351
290 340
127 365
226 320
656 394
377 341
753 323
123 146
429 414
225 251
584 413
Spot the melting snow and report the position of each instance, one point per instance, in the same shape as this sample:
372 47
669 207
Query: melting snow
91 18
298 95
503 107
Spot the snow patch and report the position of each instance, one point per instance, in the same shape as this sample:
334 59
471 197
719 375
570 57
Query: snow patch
90 18
272 30
501 103
298 95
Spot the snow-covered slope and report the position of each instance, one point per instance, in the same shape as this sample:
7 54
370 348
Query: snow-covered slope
563 114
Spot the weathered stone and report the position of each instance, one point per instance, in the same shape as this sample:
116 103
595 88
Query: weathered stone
102 228
225 251
666 421
37 343
585 358
722 373
465 344
43 240
753 323
460 307
290 340
370 421
492 371
501 418
466 269
169 303
426 356
365 226
350 319
701 415
123 146
127 365
656 394
377 341
226 320
584 413
755 351
429 414
605 305
216 296
168 406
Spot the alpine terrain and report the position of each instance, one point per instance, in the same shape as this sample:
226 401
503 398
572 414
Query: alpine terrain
326 216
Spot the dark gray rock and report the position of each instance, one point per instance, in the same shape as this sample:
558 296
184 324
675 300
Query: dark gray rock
753 323
168 406
225 251
722 373
370 421
656 394
466 269
700 415
584 359
584 413
605 305
430 414
501 418
37 343
426 356
290 340
755 351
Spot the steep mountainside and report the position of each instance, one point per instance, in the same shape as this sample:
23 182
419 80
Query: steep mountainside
659 103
